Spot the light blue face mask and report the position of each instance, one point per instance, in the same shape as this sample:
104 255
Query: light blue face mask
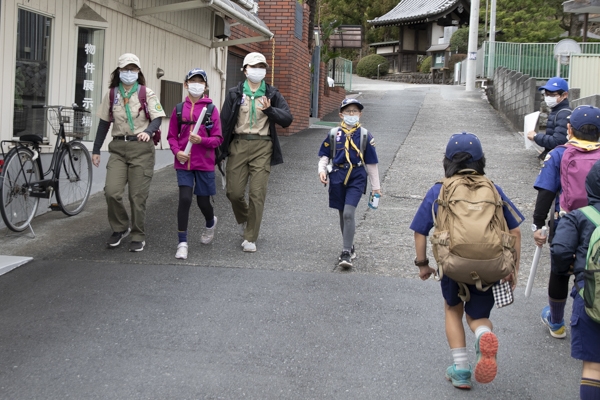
128 77
351 120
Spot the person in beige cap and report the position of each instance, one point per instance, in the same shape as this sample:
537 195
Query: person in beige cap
135 114
248 118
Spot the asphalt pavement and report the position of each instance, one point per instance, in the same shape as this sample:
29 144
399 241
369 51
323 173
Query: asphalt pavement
86 322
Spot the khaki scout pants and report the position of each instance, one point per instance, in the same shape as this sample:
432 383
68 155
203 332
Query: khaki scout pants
130 163
248 160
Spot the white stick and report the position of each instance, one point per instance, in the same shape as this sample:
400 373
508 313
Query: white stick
534 265
188 146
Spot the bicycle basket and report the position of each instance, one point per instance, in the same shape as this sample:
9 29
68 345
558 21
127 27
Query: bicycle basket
77 123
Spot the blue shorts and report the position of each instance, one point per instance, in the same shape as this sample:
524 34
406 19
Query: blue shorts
204 181
585 345
479 306
340 194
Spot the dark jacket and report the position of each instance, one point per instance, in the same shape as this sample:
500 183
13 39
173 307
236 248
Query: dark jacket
556 133
573 234
278 113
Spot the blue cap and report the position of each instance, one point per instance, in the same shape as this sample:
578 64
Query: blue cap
464 143
555 84
347 102
194 72
585 115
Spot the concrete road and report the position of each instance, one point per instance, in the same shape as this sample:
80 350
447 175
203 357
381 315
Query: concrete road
84 322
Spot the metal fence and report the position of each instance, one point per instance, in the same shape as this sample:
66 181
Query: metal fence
534 59
340 70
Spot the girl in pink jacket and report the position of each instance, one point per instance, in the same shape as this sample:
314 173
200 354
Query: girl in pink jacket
196 169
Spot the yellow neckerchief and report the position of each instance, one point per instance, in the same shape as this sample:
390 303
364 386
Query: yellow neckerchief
348 132
584 144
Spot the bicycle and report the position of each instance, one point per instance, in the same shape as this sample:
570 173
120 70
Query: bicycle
68 177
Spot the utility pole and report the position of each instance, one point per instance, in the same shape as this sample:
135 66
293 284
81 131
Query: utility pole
492 43
472 57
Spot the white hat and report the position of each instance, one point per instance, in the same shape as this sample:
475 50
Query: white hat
129 58
254 58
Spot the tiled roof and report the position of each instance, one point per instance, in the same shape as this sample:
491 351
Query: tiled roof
415 10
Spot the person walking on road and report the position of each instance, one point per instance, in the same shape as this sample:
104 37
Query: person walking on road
351 150
248 118
556 93
464 152
196 169
131 161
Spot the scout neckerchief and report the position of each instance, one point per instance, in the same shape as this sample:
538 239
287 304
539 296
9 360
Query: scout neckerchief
348 132
262 89
584 144
126 102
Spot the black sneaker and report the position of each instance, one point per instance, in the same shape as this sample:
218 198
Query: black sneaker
352 253
136 246
345 260
115 239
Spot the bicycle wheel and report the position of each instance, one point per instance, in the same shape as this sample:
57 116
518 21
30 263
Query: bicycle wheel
17 206
74 178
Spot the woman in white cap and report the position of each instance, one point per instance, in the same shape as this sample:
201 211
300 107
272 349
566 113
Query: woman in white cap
250 142
135 113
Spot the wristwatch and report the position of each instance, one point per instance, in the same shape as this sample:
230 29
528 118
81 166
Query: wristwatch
422 263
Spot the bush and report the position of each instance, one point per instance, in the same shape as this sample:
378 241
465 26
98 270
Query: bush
367 66
426 65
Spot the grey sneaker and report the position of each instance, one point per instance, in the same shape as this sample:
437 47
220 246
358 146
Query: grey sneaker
209 233
115 239
137 246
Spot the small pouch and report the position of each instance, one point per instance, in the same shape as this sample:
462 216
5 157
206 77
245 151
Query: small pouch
503 295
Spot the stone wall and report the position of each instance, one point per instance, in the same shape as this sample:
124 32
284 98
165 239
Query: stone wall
418 78
513 94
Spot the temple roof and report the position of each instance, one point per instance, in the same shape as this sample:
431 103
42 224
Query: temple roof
415 11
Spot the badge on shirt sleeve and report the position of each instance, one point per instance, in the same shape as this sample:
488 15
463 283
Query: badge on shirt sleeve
326 144
158 107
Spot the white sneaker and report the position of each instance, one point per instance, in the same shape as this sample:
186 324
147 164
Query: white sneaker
209 233
182 250
242 228
249 247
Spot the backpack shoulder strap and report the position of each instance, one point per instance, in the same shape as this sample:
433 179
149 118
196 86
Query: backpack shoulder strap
363 140
143 100
207 121
178 111
592 214
332 134
559 111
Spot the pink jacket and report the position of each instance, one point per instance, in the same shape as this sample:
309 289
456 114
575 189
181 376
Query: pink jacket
202 155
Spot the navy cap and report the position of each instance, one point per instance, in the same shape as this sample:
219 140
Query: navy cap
585 115
555 84
464 143
194 72
347 102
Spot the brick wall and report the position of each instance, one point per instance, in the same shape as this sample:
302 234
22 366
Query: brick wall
292 59
330 98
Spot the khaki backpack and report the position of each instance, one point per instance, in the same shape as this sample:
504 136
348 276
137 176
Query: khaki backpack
471 242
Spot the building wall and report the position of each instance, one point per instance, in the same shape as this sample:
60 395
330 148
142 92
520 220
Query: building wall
408 41
175 42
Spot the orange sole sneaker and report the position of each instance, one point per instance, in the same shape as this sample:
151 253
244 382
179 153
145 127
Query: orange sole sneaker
486 367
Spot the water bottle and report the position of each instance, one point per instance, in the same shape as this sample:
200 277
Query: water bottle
374 200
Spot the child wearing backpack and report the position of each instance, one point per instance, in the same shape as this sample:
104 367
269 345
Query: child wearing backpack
493 223
576 250
196 169
562 182
348 156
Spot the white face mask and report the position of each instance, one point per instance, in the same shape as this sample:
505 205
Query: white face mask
196 89
255 75
128 77
551 101
351 120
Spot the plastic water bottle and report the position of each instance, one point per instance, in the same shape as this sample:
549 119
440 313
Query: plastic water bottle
374 200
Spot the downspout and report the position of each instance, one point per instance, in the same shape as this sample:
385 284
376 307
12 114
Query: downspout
222 74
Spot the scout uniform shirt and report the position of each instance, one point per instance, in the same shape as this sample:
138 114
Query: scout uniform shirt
242 125
120 127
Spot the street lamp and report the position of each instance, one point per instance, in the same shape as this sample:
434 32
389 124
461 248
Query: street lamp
378 65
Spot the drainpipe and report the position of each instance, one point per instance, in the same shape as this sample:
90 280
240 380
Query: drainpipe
222 74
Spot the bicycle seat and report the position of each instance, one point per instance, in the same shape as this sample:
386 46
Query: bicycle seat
37 139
